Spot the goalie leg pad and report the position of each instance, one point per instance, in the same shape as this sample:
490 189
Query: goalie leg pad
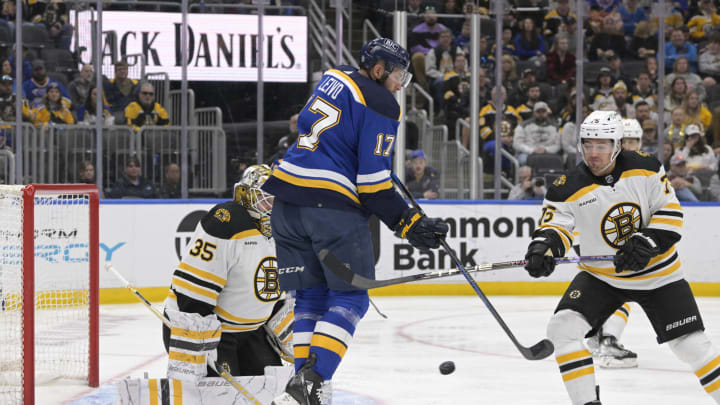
192 339
696 350
279 327
566 331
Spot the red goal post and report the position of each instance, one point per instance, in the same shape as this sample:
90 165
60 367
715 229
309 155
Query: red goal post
48 287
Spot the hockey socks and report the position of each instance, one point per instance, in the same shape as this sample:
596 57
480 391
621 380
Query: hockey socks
696 350
615 325
566 331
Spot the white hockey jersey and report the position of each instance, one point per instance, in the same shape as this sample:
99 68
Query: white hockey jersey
228 268
636 196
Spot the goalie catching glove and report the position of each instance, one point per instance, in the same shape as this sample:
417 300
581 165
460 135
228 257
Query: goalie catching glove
636 253
422 232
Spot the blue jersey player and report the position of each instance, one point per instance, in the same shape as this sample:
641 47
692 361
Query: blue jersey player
330 181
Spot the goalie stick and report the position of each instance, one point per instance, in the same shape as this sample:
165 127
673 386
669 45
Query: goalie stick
346 274
538 351
214 365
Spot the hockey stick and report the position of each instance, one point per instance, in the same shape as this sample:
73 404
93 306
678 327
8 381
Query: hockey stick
214 365
540 350
356 280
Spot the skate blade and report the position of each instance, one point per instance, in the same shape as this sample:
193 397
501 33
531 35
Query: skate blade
285 399
611 362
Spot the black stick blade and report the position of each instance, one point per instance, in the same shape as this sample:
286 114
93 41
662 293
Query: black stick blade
539 351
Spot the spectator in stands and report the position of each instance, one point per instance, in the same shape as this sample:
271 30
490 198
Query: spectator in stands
608 42
35 87
171 186
423 38
7 102
508 48
692 80
456 96
27 69
679 47
506 142
702 24
52 109
510 74
80 87
525 110
644 42
285 141
687 187
605 7
568 136
6 68
560 62
676 96
642 112
675 132
710 59
87 113
8 16
121 90
699 156
644 91
6 137
529 44
631 15
527 187
131 183
537 135
414 11
601 94
438 62
86 172
651 66
463 40
558 16
616 72
454 24
695 111
423 180
527 80
649 138
487 118
53 16
145 111
620 99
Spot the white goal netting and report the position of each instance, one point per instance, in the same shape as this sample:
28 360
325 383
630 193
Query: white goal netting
61 289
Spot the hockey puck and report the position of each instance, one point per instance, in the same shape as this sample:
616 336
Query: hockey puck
447 367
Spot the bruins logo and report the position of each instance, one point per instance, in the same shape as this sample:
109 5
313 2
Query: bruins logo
267 288
222 215
560 181
575 294
641 153
620 222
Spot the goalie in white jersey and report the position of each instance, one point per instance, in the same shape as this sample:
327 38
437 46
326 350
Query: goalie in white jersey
229 271
622 204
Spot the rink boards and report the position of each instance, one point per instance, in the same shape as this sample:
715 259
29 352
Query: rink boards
143 239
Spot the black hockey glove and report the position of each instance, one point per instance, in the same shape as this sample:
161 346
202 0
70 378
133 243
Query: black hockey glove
422 232
540 260
636 253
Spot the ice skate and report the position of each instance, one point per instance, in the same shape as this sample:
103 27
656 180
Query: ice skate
613 355
306 387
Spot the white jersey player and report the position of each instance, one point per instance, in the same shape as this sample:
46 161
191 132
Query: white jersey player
229 269
622 204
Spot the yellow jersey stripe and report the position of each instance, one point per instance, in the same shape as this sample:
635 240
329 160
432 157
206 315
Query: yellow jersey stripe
673 206
666 221
708 367
202 273
192 287
301 352
621 315
315 183
636 172
187 358
233 328
712 387
580 193
153 387
609 271
374 188
227 315
626 306
572 356
351 82
329 343
194 334
246 234
177 392
579 373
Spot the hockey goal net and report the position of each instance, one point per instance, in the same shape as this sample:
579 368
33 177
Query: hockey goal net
48 287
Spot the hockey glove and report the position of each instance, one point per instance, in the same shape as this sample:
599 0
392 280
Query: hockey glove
636 253
422 232
540 260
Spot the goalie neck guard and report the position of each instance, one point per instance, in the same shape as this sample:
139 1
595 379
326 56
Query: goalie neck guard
247 193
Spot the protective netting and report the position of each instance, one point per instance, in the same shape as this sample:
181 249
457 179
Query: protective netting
62 286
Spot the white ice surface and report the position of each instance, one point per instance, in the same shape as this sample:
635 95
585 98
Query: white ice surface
395 361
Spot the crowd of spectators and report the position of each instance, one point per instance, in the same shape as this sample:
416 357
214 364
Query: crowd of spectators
538 65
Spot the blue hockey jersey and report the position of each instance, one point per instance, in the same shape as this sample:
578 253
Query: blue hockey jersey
342 158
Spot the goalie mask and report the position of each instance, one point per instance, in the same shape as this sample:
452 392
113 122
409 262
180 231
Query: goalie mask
248 194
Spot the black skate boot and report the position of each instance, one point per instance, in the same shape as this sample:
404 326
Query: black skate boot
612 354
306 387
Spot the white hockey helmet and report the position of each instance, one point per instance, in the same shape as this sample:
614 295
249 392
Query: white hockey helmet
632 128
247 192
602 125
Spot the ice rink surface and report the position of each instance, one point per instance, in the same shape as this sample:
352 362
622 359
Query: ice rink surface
395 361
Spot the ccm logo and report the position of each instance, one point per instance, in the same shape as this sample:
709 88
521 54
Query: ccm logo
677 324
294 269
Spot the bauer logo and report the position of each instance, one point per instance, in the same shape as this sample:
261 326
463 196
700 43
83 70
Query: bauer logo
680 323
186 229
